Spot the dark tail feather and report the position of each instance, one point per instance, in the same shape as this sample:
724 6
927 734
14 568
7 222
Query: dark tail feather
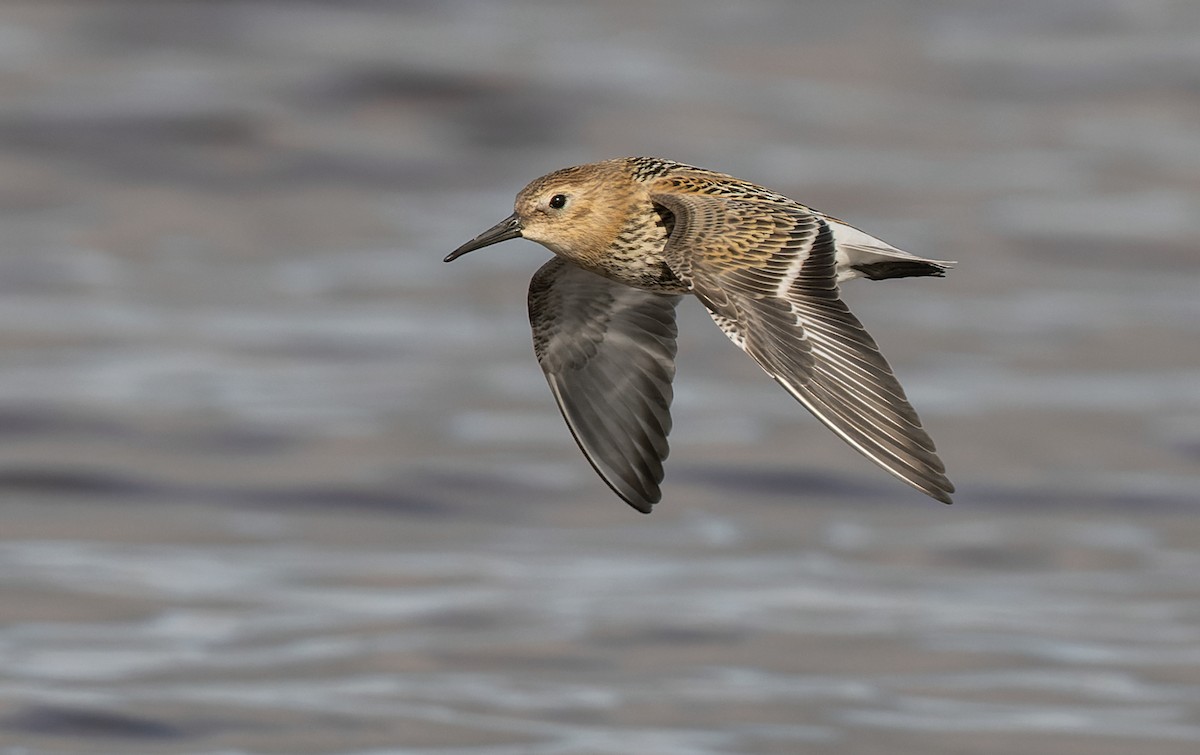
878 271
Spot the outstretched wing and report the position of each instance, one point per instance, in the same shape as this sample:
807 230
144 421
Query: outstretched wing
608 351
766 271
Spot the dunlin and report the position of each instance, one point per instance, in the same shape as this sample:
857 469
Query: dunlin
630 236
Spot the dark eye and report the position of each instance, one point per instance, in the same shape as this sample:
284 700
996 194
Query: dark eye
558 201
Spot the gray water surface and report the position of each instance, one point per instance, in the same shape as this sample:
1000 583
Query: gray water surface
274 479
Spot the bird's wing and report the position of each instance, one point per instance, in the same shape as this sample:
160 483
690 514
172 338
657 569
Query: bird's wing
608 351
766 271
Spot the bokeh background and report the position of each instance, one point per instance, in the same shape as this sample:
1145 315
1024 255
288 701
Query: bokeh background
273 479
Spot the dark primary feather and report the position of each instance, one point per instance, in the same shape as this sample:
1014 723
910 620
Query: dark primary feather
766 271
608 351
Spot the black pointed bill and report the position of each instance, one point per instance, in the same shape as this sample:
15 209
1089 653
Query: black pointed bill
509 228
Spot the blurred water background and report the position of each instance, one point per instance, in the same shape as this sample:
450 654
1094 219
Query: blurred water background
273 479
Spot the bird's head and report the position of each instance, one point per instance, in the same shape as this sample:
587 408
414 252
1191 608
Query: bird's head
574 212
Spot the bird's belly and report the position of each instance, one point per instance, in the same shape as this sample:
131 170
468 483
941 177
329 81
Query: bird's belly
650 273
